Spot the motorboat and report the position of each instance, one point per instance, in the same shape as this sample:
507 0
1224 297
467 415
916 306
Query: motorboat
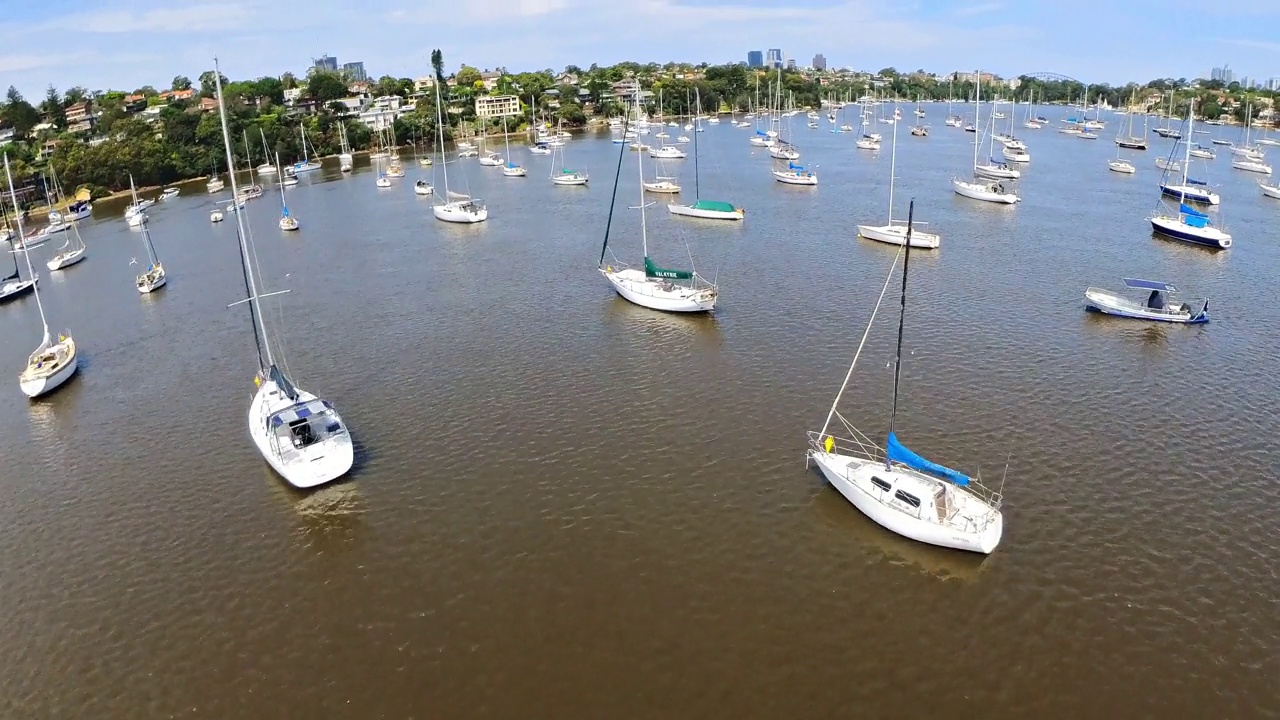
1158 305
668 152
422 187
468 153
661 186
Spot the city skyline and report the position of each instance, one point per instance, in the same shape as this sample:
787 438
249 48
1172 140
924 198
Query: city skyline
125 44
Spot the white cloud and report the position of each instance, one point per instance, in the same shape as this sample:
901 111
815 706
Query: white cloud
193 18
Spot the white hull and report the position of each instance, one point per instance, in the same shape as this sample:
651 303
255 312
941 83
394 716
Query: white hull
1122 166
851 476
866 144
136 219
145 286
791 178
215 216
667 153
517 171
266 169
1107 302
315 465
996 172
37 386
459 212
345 162
423 190
1252 166
1174 227
654 294
1271 191
984 192
1016 156
288 224
690 211
571 179
66 259
662 187
13 288
897 235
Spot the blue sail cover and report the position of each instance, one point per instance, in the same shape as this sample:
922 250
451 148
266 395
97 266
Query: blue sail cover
1188 210
761 133
794 166
899 453
1193 181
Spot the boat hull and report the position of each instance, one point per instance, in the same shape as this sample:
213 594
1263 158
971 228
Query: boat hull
67 259
794 179
145 287
634 287
851 477
1194 193
15 289
35 387
690 211
314 468
1108 303
980 191
1270 190
1173 227
454 214
897 235
573 180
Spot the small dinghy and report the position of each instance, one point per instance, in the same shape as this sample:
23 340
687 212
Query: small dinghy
1158 305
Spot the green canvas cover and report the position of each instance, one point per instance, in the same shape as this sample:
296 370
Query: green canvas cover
653 271
714 205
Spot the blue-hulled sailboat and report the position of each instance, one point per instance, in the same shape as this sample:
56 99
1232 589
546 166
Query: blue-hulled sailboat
1188 224
899 489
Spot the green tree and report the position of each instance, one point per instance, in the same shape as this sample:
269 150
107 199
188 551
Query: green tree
326 86
52 109
181 82
466 77
437 64
289 81
74 95
19 113
207 83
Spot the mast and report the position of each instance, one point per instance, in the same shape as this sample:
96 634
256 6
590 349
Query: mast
613 198
1186 161
13 197
698 111
644 230
902 319
977 110
283 204
893 161
444 162
248 155
251 285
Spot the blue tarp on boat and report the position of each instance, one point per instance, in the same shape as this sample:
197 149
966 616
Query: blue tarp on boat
794 166
899 453
1188 210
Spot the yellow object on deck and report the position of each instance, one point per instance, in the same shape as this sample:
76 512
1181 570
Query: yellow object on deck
830 444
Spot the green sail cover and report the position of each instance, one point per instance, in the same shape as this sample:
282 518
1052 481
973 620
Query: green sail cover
653 271
714 205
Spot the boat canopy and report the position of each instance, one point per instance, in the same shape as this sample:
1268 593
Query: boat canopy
1149 285
301 411
899 453
714 205
1188 210
762 133
568 171
653 271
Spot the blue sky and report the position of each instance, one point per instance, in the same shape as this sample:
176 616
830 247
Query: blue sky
124 44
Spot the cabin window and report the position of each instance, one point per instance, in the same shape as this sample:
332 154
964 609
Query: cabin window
881 484
907 498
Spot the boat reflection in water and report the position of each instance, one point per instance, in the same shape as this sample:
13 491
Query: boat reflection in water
838 525
329 518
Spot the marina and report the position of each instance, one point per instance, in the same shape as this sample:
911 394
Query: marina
555 491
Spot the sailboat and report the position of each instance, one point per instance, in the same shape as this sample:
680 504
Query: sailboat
345 161
995 169
13 286
708 209
301 436
987 191
510 169
565 176
52 363
288 222
154 277
891 233
1014 149
254 190
897 488
306 164
266 168
1132 142
1249 157
73 249
1119 163
1188 224
1031 123
456 208
1271 191
654 287
215 185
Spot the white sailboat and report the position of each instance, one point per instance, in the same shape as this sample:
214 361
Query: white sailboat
13 286
706 209
345 161
897 488
681 291
1119 163
991 191
287 221
153 277
510 169
52 363
565 176
1271 191
266 168
73 249
301 436
455 208
897 233
215 184
306 164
